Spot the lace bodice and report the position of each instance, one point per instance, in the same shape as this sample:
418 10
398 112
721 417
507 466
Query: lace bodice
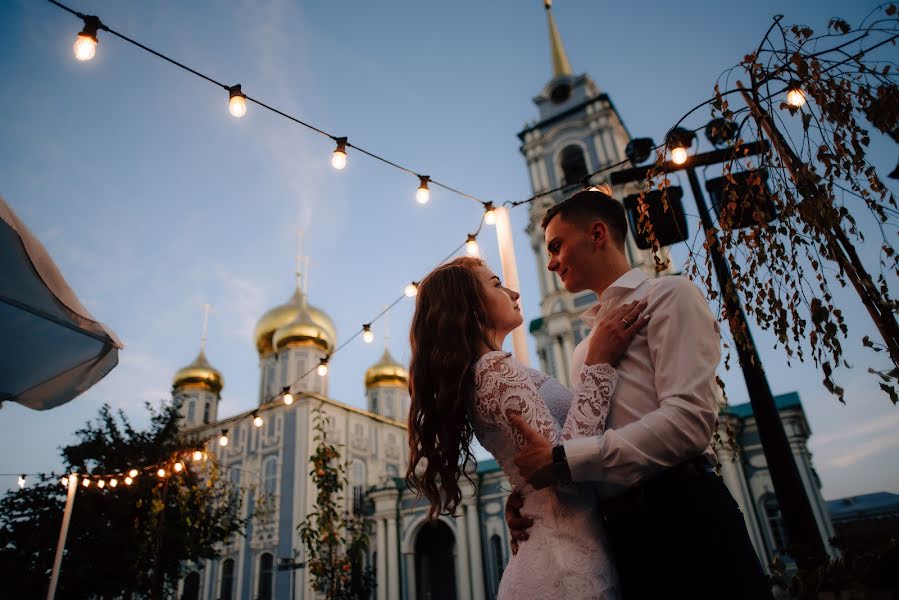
565 555
506 387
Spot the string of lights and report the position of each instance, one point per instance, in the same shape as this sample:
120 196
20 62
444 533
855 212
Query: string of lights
411 290
85 49
676 143
795 98
87 42
176 464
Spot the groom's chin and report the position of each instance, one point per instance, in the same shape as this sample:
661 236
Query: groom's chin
572 287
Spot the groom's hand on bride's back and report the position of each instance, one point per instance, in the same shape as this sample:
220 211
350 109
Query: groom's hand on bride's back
535 457
518 524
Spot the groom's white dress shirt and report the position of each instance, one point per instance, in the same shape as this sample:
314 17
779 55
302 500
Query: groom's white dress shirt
665 407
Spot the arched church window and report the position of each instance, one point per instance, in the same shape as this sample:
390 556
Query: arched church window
266 574
270 383
388 404
359 482
435 577
206 413
270 475
574 165
227 580
775 521
191 587
496 550
191 411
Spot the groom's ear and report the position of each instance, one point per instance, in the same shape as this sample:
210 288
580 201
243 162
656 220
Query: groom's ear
599 232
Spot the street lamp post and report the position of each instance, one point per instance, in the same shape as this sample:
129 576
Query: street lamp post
788 487
292 565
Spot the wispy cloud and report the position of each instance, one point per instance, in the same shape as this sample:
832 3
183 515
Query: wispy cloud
242 305
276 30
864 429
139 377
864 450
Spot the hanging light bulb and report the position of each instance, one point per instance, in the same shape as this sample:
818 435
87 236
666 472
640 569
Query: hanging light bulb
86 45
86 482
678 140
179 466
64 481
338 157
128 481
411 289
223 441
471 245
322 369
423 194
257 420
197 455
368 336
237 102
101 484
795 95
132 473
21 482
288 397
160 473
113 483
489 213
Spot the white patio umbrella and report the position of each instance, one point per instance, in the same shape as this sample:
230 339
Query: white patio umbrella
51 348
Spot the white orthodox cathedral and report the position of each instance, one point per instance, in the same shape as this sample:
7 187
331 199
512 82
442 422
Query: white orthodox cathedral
577 132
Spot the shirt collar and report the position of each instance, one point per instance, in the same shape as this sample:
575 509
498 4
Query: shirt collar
629 281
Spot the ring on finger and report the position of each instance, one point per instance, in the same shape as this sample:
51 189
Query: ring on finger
626 322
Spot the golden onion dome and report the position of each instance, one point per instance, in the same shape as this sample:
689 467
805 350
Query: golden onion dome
199 374
386 371
302 331
281 315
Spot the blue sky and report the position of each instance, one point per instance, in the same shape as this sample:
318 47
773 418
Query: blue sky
154 200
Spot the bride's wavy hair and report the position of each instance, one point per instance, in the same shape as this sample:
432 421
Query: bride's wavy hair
447 331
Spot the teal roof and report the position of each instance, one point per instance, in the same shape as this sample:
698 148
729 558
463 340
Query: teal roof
536 325
866 506
782 401
488 466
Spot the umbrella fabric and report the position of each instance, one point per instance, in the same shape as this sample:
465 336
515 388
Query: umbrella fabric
51 348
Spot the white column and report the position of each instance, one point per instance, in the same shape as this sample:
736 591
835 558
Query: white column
410 575
562 373
393 571
732 474
382 560
464 575
474 542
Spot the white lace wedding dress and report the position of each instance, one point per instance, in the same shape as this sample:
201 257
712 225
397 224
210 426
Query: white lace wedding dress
565 556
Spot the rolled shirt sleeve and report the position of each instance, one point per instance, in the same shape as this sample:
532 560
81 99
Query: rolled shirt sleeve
684 347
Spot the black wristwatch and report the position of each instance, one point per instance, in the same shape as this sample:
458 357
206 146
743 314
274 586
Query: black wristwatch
561 472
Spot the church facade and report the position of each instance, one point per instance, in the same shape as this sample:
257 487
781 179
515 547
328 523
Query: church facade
578 131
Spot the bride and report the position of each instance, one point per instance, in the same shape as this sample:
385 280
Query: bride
464 385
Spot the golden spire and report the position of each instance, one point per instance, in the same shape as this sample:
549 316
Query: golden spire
560 59
199 373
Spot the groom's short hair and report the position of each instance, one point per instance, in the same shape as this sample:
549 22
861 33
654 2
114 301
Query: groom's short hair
590 205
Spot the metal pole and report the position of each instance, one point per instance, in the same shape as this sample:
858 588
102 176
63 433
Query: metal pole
791 494
63 533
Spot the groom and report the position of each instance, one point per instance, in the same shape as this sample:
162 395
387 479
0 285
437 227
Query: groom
673 527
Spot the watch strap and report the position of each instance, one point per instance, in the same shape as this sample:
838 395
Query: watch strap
560 470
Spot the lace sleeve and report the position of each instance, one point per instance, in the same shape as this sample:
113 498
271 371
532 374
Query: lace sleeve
505 388
590 405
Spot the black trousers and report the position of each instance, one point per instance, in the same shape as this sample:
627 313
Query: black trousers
683 537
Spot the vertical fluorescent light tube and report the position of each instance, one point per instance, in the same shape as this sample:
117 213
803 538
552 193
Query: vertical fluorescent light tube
510 275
